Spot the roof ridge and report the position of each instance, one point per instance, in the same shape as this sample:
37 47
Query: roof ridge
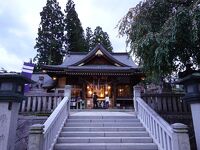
104 51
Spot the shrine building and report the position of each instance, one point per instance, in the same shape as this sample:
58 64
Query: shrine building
100 71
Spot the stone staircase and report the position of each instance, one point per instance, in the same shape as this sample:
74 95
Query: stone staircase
104 133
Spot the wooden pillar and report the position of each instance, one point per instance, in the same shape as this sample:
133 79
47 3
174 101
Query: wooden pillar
84 94
132 94
114 92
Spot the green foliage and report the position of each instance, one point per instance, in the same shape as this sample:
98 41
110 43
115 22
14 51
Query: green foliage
49 42
101 37
88 38
75 40
163 35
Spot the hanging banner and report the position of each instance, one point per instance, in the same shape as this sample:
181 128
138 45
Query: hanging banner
27 71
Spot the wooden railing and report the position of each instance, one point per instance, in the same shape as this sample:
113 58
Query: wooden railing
166 103
166 136
40 102
43 137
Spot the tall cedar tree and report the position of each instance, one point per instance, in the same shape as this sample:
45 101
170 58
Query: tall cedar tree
49 42
163 35
101 37
74 38
88 38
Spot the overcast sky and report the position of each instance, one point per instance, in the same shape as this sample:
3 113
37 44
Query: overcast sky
19 22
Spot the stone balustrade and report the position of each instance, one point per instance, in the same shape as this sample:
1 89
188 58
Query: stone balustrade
40 102
167 137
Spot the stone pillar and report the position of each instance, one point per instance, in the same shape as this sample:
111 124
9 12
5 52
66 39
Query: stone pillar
136 93
8 124
35 139
195 109
191 83
180 136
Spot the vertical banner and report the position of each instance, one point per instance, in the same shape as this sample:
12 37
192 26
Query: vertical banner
27 71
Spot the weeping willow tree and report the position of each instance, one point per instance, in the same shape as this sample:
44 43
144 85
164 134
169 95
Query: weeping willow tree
163 35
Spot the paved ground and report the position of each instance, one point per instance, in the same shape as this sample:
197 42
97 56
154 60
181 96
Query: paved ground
102 113
102 110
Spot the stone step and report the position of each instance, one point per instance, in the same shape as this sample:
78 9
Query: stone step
102 120
106 146
104 124
104 140
105 134
102 117
78 129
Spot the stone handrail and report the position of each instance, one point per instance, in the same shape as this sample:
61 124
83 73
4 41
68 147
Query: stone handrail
40 102
43 137
166 136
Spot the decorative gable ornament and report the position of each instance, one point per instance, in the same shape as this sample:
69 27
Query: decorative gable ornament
99 53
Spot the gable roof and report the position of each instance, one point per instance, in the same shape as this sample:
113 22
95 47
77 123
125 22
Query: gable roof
99 50
76 61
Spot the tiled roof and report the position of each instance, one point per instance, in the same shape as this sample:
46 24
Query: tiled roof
122 57
74 59
126 59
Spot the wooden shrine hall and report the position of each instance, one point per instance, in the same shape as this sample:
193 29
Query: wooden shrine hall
100 71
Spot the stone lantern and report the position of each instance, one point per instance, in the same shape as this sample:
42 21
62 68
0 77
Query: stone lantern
11 94
191 84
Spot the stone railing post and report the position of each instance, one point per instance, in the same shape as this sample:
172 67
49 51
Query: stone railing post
35 141
68 94
136 93
67 91
181 138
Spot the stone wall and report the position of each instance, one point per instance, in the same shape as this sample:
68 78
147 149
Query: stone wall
23 125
